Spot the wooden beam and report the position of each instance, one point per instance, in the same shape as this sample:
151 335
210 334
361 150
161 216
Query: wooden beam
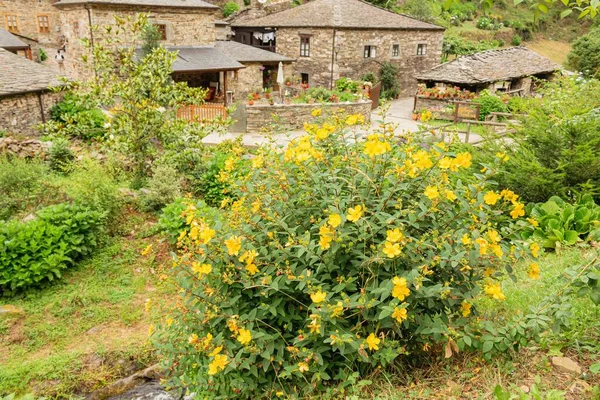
225 87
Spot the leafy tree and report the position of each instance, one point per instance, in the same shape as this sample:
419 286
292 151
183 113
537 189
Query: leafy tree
229 8
585 55
390 88
151 38
585 8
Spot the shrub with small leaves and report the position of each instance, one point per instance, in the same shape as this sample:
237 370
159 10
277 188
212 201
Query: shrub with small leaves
229 8
339 256
60 155
163 187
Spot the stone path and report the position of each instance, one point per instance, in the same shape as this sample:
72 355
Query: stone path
399 113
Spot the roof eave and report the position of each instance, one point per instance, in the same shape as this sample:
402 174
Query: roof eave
107 3
208 69
390 28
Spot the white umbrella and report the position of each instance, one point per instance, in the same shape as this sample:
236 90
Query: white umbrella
280 80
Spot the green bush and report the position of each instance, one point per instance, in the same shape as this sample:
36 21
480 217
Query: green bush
517 105
77 116
38 251
563 224
516 40
555 150
22 183
229 8
208 182
60 155
172 220
489 103
163 187
390 86
347 85
339 257
585 55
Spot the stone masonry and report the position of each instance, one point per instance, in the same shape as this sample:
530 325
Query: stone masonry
28 15
22 113
349 60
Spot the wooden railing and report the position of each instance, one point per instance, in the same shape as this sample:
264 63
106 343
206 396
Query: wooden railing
203 113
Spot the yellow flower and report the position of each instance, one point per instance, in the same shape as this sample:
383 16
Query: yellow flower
194 233
258 162
215 351
335 220
375 147
193 338
502 156
234 245
491 198
148 305
316 112
252 269
494 236
483 246
325 242
401 290
494 290
322 134
445 163
431 192
318 297
244 336
352 120
533 222
509 195
372 342
422 160
450 195
463 160
147 250
518 210
534 271
248 256
465 309
207 234
218 364
256 206
497 250
354 214
302 367
466 240
535 249
392 249
400 314
326 236
394 235
201 269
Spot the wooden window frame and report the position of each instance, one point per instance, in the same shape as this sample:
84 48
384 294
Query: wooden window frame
395 51
422 49
163 30
304 46
8 19
40 25
369 51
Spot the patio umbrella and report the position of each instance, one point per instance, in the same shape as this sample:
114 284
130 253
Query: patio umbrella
280 80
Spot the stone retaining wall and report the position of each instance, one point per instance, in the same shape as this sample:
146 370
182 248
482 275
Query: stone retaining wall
21 113
23 148
293 116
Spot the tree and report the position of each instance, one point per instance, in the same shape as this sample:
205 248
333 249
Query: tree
585 8
585 55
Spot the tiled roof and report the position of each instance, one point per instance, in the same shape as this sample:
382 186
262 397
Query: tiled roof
149 3
203 59
20 75
491 66
245 53
356 14
10 41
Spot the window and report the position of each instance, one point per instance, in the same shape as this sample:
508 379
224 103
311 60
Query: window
162 31
11 23
304 78
76 28
396 50
43 24
421 49
304 46
369 52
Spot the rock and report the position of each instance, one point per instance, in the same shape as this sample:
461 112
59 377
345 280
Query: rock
565 364
146 391
524 388
11 310
28 218
145 192
134 384
128 192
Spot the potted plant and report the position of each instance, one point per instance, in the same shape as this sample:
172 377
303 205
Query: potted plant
271 101
288 81
250 100
267 93
415 116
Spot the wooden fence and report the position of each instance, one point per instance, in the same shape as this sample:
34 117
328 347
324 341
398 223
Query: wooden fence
205 112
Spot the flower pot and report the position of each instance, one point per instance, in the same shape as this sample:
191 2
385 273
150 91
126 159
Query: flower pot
250 102
256 96
267 96
415 116
288 84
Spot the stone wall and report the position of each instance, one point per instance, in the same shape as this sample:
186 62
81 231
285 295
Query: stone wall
185 27
250 78
349 58
20 114
27 12
24 148
293 116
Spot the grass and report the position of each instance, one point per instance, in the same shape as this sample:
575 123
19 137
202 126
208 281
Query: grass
555 50
89 328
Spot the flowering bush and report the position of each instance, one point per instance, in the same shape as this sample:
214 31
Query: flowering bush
338 256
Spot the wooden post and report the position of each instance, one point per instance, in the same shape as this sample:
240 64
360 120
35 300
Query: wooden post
468 132
225 88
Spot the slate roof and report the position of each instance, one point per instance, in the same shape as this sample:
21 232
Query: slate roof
244 53
20 75
356 14
203 59
11 42
149 3
491 66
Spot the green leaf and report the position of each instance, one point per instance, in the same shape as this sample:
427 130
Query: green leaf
595 368
487 347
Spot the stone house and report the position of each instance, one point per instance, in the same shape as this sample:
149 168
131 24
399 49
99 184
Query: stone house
331 39
35 19
14 44
25 95
508 70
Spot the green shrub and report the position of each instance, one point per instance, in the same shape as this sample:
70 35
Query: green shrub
60 155
77 116
347 85
585 55
516 40
172 221
209 183
163 187
38 251
564 224
489 103
517 105
369 77
229 8
22 183
339 257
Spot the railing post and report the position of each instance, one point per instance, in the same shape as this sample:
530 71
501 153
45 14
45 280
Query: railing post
468 132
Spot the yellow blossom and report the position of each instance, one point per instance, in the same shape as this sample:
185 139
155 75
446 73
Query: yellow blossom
256 206
422 160
148 305
400 314
252 269
234 245
207 234
193 338
445 163
502 156
394 235
535 249
483 246
147 250
401 290
372 342
334 220
466 240
244 336
318 297
355 213
248 256
494 290
463 160
497 250
491 198
431 192
322 134
494 236
533 222
201 269
465 309
518 210
352 120
534 271
215 351
392 249
316 112
218 364
374 146
509 195
450 195
302 367
258 162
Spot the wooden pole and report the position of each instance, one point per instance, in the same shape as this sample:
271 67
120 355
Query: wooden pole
225 87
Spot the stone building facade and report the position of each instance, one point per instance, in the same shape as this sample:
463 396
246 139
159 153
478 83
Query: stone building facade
34 19
331 39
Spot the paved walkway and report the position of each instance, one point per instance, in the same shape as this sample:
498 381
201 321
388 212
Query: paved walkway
399 113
